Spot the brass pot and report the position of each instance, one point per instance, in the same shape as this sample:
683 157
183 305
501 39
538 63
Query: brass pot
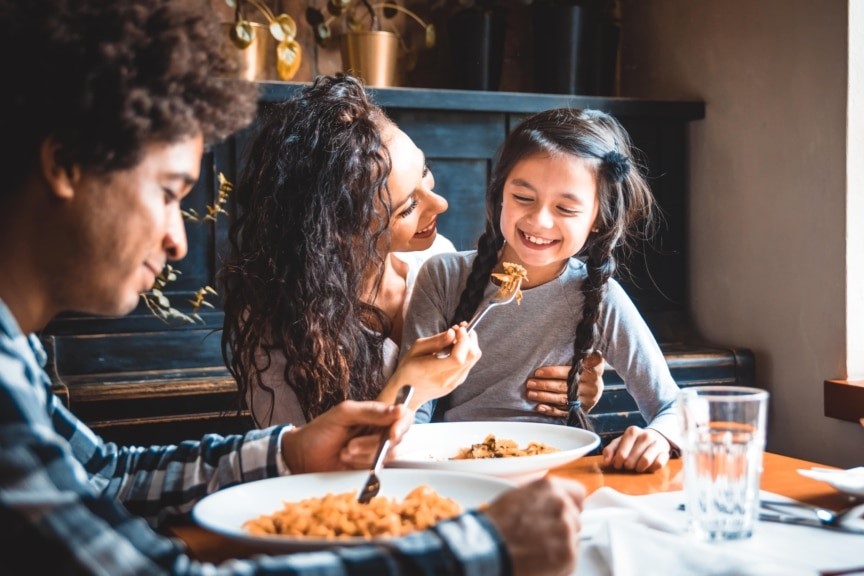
258 60
371 56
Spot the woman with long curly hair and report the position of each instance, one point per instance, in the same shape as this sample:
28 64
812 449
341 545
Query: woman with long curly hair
336 212
566 195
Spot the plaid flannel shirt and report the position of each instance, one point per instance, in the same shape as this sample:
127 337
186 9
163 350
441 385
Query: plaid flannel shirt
73 504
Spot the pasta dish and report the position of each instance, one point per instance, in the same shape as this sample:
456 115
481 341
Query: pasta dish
340 516
493 447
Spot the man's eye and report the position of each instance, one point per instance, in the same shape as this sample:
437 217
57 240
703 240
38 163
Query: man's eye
170 195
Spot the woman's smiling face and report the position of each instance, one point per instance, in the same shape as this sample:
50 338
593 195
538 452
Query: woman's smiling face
413 224
549 207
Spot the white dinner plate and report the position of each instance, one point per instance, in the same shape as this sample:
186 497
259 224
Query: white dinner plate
225 511
433 446
848 481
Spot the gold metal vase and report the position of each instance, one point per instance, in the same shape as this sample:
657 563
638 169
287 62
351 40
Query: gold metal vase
258 60
371 56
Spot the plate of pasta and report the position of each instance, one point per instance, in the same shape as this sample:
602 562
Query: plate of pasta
315 511
517 451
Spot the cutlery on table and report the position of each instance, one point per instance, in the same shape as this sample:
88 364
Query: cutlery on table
769 514
823 515
373 484
812 522
502 297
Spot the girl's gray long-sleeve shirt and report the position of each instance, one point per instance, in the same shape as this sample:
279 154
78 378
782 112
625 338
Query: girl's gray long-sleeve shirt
516 339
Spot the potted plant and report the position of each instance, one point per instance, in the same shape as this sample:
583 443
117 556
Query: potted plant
369 41
256 48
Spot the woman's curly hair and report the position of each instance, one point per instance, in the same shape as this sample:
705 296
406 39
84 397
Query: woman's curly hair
106 78
625 215
311 222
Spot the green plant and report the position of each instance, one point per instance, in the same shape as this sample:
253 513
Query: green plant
357 15
156 300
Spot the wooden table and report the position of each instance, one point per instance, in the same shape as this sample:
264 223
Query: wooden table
779 476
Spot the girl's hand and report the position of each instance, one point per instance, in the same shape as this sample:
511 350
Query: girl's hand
548 386
638 449
430 376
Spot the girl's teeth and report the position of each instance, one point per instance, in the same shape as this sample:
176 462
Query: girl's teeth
536 240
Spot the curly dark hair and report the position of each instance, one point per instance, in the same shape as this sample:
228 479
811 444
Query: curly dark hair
625 217
106 78
310 229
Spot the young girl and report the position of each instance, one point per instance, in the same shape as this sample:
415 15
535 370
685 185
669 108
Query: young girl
565 196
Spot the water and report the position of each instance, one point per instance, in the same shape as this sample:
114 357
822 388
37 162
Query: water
722 468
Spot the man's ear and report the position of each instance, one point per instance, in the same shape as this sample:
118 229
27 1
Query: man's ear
61 178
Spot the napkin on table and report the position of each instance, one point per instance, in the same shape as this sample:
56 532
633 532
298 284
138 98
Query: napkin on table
644 535
850 481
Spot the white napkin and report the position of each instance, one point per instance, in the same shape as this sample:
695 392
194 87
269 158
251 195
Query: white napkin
850 481
644 535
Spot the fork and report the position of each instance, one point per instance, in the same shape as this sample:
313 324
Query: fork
499 298
825 516
373 484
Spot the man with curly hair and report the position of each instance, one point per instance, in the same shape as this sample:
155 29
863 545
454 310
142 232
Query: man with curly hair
105 111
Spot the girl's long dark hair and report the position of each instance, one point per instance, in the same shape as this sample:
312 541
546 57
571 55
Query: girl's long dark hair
625 215
311 215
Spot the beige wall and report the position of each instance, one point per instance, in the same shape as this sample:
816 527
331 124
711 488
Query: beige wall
767 190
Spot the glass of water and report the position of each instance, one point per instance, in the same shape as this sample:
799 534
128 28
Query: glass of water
723 431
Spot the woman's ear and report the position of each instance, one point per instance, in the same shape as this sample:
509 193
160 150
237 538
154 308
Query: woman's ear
61 178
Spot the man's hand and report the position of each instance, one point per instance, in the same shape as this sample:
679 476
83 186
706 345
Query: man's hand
328 442
540 523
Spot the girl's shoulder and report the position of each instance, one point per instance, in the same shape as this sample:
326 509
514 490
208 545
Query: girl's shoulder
452 261
448 268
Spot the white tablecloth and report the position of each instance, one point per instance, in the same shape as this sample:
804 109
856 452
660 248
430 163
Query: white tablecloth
645 535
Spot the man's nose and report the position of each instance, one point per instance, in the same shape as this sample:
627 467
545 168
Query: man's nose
174 243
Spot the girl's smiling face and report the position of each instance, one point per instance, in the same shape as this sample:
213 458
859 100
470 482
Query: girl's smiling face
549 207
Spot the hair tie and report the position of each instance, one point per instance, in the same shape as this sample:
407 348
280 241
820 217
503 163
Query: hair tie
617 164
574 420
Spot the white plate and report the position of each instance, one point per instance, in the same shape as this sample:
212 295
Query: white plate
225 511
849 481
433 446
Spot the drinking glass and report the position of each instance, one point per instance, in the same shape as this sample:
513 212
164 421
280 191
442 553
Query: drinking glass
723 430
